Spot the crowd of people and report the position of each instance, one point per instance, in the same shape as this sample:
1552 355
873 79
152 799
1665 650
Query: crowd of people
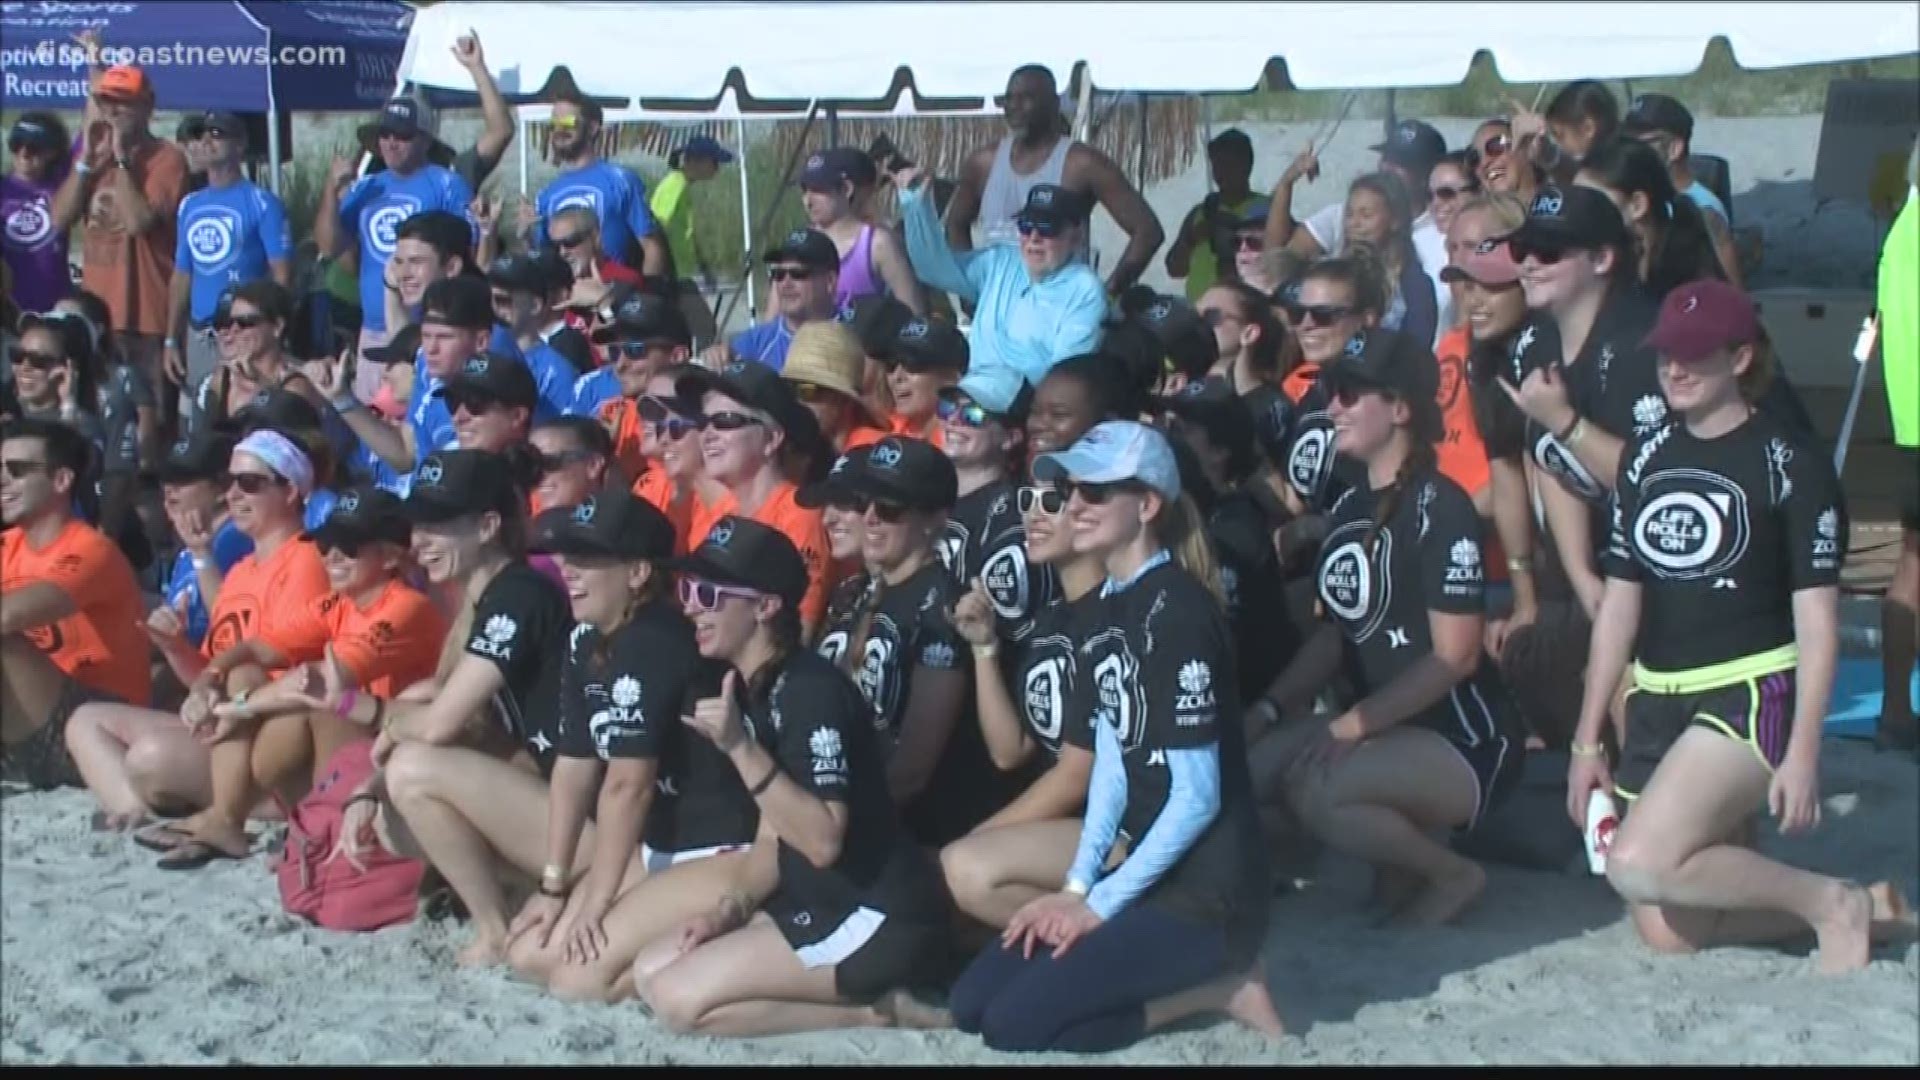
780 680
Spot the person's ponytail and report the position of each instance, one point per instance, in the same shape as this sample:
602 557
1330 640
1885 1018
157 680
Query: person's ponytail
1182 528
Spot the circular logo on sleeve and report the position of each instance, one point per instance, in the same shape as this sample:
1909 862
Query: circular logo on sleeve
29 224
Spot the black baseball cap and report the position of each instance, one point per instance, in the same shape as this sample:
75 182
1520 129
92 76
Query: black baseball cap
1571 217
1051 204
402 116
1189 342
452 484
1214 408
38 131
908 472
364 513
877 320
612 523
754 385
493 377
279 408
808 247
204 455
1414 145
827 169
538 272
463 302
223 125
645 317
1391 361
929 344
743 552
824 490
402 346
1657 112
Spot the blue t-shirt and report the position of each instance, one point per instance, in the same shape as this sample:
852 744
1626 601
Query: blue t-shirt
615 193
764 343
591 389
502 342
227 237
373 209
428 414
319 505
554 376
1706 200
230 545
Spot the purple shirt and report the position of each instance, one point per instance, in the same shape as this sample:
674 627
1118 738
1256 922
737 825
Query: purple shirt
35 252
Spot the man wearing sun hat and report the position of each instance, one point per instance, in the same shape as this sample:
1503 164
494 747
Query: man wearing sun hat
128 184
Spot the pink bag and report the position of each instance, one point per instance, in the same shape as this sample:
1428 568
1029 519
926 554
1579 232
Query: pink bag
330 892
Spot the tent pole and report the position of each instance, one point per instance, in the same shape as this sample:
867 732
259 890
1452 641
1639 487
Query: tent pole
833 126
1206 133
273 150
766 216
1083 112
1140 181
521 117
746 210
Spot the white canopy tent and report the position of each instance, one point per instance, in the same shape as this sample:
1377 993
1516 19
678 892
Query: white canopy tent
967 49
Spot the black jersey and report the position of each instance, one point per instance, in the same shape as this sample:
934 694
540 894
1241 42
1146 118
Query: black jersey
1426 557
1044 675
908 629
1264 635
845 605
984 538
1315 472
814 722
520 626
1721 533
623 697
1157 671
1614 384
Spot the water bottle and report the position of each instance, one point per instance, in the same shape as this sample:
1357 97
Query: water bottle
1602 819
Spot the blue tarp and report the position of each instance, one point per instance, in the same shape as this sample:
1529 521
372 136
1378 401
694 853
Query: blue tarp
238 55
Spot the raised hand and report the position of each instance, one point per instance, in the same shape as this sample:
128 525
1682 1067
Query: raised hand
717 719
973 616
466 50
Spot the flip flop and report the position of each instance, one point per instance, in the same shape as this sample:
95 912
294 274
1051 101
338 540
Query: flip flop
164 837
192 855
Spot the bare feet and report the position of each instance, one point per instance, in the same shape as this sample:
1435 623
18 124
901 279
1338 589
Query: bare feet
1893 918
1393 890
1253 1007
899 1008
484 951
1445 898
1844 929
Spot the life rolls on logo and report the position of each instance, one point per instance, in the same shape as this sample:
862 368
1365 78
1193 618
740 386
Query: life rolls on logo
1311 453
1691 524
383 222
1354 585
210 237
1044 694
29 225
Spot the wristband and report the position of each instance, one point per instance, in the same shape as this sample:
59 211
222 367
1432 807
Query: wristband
986 652
1520 564
765 782
171 343
1567 435
200 562
345 404
1077 888
348 700
554 873
1589 750
81 168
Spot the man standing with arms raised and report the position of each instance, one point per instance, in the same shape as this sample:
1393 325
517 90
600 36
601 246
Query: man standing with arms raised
1039 150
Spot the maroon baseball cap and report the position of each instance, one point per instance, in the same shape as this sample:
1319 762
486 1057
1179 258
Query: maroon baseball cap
1700 318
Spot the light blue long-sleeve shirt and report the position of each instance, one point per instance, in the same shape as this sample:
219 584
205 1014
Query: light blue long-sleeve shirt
1018 323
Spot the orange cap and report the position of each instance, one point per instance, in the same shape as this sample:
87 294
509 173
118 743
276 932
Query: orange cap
125 81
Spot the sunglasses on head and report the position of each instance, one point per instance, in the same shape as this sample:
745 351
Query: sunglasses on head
1045 230
789 273
1099 494
253 483
698 594
238 322
568 241
1050 501
727 421
1316 314
1250 242
38 360
890 513
21 468
965 413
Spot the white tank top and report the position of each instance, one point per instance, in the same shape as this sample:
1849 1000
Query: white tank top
1006 193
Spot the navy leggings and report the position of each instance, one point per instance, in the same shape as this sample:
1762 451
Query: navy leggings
1094 998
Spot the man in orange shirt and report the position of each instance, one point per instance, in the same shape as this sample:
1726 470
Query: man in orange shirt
69 605
825 367
755 438
647 333
371 632
128 184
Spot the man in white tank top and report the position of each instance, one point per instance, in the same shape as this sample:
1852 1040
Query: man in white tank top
996 180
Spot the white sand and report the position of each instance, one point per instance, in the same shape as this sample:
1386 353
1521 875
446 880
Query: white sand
109 961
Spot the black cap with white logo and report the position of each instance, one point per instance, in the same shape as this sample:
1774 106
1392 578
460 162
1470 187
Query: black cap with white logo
365 513
492 377
451 484
613 523
907 472
929 344
743 552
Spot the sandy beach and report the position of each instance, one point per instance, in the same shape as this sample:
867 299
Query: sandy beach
109 961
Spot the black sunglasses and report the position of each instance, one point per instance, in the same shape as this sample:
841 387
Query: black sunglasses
1545 255
20 468
789 273
346 546
1045 230
727 421
632 350
244 322
568 241
1448 193
891 513
553 463
1319 314
1051 501
38 360
474 404
1250 242
253 483
1099 494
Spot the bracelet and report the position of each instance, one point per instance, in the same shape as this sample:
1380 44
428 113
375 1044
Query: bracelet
1567 436
1077 888
986 652
171 343
200 562
765 782
1520 564
1590 750
348 699
554 873
554 890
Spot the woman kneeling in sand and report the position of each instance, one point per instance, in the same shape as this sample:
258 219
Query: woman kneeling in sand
1723 573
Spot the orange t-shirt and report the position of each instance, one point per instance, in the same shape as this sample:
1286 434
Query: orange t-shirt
100 644
935 432
387 646
133 273
1300 380
622 419
654 487
800 525
1462 453
257 597
862 435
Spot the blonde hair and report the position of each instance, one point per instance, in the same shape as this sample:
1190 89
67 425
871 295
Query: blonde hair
1505 208
1183 529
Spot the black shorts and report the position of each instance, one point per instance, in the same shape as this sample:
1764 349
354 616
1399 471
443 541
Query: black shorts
42 758
1496 769
1756 710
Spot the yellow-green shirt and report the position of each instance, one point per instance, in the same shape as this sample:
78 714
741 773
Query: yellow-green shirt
1900 321
1204 268
674 213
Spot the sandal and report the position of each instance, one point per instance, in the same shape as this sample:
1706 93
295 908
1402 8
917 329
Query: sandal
192 855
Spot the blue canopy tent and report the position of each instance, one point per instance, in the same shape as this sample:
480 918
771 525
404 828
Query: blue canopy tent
245 56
